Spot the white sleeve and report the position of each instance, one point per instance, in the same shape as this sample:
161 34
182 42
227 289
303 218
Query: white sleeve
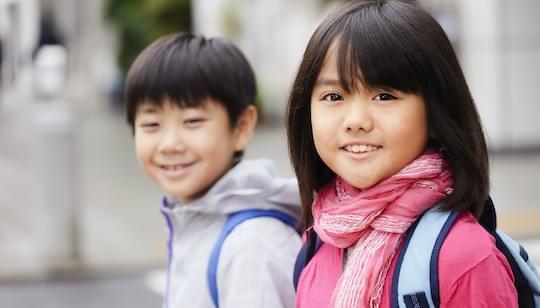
256 265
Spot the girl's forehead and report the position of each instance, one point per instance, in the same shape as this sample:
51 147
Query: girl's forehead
360 65
339 68
329 67
331 55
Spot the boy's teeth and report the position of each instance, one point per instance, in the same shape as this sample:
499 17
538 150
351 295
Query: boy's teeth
360 148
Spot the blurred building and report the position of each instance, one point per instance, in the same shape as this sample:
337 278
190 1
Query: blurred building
498 42
90 42
19 25
78 25
272 34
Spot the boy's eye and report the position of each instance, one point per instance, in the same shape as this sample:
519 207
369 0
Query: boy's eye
149 125
332 97
193 122
384 97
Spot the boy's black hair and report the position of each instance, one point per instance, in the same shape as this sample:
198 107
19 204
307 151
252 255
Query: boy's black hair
188 69
397 45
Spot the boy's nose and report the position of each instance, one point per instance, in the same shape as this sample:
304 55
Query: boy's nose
358 117
171 141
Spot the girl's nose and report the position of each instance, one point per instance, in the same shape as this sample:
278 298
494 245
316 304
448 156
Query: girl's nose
171 141
358 117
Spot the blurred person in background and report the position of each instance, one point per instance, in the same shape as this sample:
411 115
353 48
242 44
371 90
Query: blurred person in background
48 33
190 106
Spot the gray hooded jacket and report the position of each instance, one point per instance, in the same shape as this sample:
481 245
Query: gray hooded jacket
257 258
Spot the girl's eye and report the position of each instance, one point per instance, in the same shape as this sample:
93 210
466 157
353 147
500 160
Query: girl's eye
384 97
332 97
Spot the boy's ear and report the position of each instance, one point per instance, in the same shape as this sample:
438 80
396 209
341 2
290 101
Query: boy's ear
245 126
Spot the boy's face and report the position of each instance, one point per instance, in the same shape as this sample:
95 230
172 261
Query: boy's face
186 150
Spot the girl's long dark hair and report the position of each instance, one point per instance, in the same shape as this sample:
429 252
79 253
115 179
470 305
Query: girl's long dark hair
392 44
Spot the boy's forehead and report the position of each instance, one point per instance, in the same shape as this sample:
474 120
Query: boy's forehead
147 107
207 105
166 104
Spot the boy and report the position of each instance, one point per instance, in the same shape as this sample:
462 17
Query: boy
190 105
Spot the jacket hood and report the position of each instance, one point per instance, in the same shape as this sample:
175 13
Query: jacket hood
249 184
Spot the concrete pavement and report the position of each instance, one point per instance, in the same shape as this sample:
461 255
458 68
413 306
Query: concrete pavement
113 290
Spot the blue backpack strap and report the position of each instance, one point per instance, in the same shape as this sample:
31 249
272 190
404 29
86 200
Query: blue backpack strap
308 250
414 283
233 220
526 276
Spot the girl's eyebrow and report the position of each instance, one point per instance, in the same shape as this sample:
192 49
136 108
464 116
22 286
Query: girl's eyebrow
327 82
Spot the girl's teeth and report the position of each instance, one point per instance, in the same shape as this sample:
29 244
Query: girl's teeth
360 148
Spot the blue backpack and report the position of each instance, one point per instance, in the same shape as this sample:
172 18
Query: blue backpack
416 285
234 220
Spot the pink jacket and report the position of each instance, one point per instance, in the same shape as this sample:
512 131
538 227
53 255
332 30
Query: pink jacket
472 272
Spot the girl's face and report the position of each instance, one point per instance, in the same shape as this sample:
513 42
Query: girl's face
368 135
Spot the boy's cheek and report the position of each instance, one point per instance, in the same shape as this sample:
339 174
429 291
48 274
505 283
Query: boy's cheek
142 150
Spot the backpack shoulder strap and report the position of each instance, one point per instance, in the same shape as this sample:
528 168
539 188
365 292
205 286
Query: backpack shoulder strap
526 277
234 220
308 250
415 284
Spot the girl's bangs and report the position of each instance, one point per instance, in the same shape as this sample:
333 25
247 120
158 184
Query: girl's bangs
373 55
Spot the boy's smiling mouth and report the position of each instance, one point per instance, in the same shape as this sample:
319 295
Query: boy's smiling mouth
175 170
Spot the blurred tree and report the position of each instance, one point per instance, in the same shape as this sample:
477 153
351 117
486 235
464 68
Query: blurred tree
139 22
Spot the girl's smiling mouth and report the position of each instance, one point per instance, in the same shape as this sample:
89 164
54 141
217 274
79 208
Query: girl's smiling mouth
360 148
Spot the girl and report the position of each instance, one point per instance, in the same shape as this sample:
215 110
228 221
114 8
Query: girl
382 127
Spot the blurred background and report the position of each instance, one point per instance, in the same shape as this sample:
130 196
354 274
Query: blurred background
80 223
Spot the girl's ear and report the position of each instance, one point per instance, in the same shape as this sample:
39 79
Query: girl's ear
245 126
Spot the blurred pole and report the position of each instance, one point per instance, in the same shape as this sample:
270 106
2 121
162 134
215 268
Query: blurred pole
53 160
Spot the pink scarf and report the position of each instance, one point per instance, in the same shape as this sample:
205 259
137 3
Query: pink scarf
370 223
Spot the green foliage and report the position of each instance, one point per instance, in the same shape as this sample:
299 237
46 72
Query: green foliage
139 22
